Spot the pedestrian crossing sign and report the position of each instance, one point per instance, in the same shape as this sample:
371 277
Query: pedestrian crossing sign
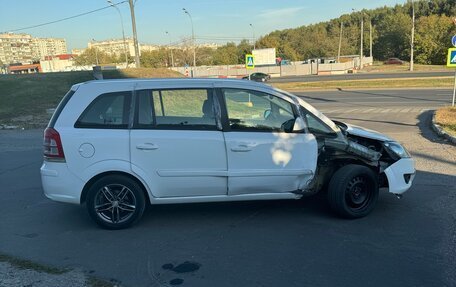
451 62
249 61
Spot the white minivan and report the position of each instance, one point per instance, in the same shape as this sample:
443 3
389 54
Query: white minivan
118 145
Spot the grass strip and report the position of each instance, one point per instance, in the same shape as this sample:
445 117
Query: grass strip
446 118
25 98
30 265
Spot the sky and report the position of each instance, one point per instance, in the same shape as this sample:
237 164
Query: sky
213 20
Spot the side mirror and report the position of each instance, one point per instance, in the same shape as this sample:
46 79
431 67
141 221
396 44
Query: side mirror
299 125
267 113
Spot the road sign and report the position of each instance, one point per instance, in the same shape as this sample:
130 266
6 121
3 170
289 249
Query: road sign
451 62
453 40
249 61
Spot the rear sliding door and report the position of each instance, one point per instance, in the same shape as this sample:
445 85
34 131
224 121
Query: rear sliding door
176 145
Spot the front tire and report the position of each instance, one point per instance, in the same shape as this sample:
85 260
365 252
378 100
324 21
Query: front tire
353 191
115 202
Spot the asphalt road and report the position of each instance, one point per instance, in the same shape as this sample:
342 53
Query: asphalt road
361 76
407 242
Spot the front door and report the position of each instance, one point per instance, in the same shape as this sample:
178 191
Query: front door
176 146
264 155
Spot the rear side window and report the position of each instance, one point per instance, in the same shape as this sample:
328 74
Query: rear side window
109 110
60 107
176 109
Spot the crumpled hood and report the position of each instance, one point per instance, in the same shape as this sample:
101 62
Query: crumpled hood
366 133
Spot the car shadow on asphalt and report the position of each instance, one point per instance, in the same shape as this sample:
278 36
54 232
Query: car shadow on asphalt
313 206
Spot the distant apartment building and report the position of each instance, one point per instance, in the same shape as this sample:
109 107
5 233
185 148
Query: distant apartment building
148 48
208 45
116 46
23 48
43 47
16 48
77 52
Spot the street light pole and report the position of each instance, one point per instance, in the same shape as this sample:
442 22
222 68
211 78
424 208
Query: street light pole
253 36
412 42
340 41
123 31
135 36
172 57
193 41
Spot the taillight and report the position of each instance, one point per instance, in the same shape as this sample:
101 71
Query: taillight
53 149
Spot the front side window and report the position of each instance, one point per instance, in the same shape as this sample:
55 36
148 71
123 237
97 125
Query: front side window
176 109
256 111
316 126
109 110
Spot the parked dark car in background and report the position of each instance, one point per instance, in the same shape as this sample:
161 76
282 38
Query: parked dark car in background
258 77
394 61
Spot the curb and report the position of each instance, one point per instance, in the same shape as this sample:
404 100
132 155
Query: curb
438 129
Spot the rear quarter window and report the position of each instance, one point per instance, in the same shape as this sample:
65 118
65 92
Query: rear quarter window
60 107
107 111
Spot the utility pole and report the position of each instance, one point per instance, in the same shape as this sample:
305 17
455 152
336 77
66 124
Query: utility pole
340 41
370 36
135 36
172 57
362 42
412 42
193 40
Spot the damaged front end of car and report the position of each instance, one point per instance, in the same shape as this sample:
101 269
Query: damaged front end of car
356 145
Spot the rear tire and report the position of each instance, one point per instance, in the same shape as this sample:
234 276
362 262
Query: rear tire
115 202
353 191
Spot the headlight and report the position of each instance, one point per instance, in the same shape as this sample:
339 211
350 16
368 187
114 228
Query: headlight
397 149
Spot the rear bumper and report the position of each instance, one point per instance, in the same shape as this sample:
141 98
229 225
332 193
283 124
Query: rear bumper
59 184
400 175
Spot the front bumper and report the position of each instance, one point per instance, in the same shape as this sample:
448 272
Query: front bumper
400 175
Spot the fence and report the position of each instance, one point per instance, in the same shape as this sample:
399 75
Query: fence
295 69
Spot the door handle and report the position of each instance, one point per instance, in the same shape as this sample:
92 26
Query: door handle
147 146
243 147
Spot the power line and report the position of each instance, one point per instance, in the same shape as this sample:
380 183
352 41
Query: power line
64 19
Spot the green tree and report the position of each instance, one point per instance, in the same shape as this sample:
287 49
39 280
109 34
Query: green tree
432 38
154 59
90 55
205 56
226 55
244 47
393 37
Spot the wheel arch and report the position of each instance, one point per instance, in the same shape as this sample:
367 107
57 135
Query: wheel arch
106 173
334 164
